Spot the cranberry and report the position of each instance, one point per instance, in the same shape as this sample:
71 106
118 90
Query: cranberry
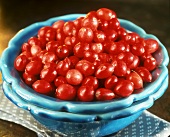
52 46
69 29
144 73
62 52
86 93
150 63
60 80
74 77
136 79
151 45
85 34
34 67
49 57
25 47
96 47
80 48
114 24
21 62
110 82
42 86
62 67
35 49
48 74
58 24
99 36
120 68
90 22
85 67
74 60
104 70
103 94
105 14
65 92
29 79
90 81
124 88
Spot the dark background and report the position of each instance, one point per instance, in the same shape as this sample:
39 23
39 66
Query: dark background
152 15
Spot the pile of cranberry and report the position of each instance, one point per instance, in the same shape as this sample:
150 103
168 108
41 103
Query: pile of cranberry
88 59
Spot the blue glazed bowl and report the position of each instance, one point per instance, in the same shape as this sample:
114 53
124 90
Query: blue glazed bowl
11 76
97 125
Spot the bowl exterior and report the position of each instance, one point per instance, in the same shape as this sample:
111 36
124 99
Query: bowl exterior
11 76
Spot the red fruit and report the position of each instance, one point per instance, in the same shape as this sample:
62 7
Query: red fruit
90 22
90 81
104 70
25 47
111 35
58 24
96 47
74 77
69 29
42 86
35 49
48 74
135 79
124 88
85 34
80 48
85 67
120 68
60 80
105 14
34 67
62 52
150 63
103 94
51 46
66 92
114 24
110 82
62 67
20 62
29 79
49 57
86 93
151 45
144 73
99 36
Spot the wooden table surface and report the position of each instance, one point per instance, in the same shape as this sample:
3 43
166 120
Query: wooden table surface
151 15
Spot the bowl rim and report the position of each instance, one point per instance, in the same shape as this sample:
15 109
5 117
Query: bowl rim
10 76
80 118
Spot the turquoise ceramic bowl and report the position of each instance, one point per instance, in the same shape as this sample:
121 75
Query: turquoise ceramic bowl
11 76
71 124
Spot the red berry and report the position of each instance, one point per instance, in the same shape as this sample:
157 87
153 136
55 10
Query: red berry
150 63
136 79
66 92
48 74
90 81
20 62
105 14
103 94
60 80
110 82
86 93
104 70
85 34
144 73
124 88
74 77
85 67
151 45
42 86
